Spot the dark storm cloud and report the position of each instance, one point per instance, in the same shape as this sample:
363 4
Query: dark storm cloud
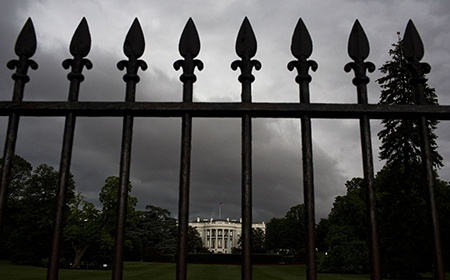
216 163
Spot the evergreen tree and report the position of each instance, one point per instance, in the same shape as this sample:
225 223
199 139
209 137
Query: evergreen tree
403 212
399 139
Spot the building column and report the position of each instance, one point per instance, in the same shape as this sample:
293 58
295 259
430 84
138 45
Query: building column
223 239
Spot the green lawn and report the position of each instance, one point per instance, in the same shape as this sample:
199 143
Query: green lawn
160 271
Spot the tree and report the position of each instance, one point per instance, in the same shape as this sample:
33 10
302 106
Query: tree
403 213
20 174
296 228
403 221
258 241
399 138
347 232
276 236
109 197
443 200
29 241
287 234
321 232
194 242
83 227
403 224
158 232
90 231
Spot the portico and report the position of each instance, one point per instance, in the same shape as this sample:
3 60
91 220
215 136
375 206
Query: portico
220 236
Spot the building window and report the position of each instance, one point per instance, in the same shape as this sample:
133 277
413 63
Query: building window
231 233
219 243
225 243
207 232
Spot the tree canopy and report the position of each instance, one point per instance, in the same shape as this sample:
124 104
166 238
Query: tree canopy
402 209
31 211
88 233
347 232
287 234
399 138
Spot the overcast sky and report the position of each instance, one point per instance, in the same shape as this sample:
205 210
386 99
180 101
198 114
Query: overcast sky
216 164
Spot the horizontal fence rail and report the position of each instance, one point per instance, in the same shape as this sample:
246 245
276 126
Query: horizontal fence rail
224 110
246 47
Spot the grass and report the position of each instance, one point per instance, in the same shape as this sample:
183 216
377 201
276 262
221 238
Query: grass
164 271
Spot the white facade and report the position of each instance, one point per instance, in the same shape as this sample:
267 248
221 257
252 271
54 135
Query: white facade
220 236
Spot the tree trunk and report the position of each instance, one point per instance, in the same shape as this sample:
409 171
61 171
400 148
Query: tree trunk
79 253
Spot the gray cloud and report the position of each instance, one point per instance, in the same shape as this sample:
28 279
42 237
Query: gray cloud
215 178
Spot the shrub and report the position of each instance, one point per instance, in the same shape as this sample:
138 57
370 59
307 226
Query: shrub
287 259
151 254
169 258
266 259
134 251
300 256
210 258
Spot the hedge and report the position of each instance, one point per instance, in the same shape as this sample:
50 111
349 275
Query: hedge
287 260
266 259
210 258
232 258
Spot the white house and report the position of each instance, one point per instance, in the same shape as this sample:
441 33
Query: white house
219 236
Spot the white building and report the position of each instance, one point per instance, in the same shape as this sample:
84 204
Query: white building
220 236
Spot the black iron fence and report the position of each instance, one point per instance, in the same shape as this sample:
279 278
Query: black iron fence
189 48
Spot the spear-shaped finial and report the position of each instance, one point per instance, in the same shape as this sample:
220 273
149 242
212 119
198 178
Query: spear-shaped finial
413 51
134 44
246 49
412 43
358 50
133 48
79 48
189 48
81 40
301 48
24 49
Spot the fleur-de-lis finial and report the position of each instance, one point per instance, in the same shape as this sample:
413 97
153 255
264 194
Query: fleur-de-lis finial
79 48
413 51
189 48
133 48
246 49
24 49
412 43
301 48
358 50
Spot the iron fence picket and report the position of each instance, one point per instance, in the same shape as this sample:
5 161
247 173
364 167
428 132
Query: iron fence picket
358 50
